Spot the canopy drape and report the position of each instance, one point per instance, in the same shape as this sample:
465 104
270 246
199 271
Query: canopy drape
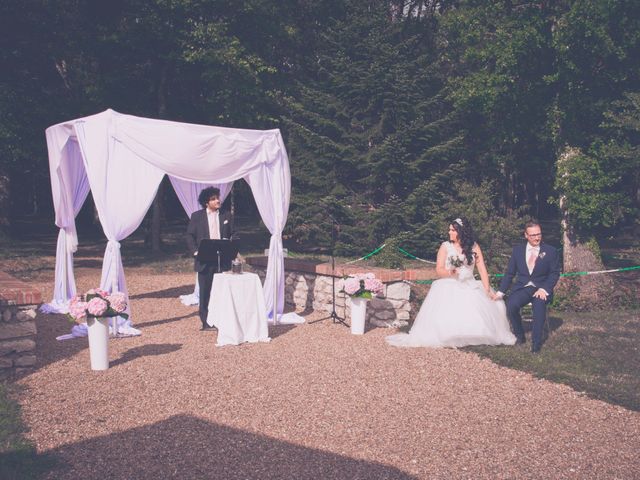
123 158
70 179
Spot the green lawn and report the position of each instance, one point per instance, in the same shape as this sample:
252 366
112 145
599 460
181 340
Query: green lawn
18 458
597 353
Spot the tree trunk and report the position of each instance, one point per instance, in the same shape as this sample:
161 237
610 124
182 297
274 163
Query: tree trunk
155 231
156 220
581 255
5 203
233 202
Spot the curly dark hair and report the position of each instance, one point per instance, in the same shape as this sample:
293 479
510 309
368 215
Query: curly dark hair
206 194
465 236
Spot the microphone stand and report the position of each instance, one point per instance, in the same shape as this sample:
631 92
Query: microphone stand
335 318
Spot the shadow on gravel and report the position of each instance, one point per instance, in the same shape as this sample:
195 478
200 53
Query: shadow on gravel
166 320
187 447
146 351
48 349
87 263
173 292
276 330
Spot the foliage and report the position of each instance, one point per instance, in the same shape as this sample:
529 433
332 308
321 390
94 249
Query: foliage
386 107
597 45
390 256
18 457
499 56
495 234
591 193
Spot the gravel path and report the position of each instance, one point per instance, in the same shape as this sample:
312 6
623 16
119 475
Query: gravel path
316 402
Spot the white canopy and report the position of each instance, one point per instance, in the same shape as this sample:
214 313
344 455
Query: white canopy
123 159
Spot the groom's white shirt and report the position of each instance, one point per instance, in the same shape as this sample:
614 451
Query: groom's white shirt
527 254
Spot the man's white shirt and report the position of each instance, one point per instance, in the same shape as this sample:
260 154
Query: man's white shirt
214 224
529 250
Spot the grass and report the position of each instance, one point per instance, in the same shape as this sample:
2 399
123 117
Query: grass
18 457
596 353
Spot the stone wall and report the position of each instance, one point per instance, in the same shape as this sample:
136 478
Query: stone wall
18 306
309 284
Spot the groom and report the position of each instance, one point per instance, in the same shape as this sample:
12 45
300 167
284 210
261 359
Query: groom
536 269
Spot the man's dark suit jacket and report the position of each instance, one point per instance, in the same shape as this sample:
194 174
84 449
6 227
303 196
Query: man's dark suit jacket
198 229
545 273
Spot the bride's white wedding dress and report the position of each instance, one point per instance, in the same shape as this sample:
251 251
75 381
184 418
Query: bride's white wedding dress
457 312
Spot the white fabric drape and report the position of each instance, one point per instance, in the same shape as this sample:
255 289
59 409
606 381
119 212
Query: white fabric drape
121 199
125 158
193 152
188 193
271 189
71 186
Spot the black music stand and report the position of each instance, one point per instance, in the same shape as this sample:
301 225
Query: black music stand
218 252
333 315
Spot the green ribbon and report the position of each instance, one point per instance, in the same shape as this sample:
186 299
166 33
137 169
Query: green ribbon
408 254
428 282
568 274
369 255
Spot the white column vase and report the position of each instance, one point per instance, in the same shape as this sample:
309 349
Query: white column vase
98 332
358 314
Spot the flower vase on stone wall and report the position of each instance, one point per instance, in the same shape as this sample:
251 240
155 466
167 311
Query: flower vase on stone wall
358 314
98 333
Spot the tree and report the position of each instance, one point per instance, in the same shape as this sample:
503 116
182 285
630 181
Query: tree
500 59
597 46
367 121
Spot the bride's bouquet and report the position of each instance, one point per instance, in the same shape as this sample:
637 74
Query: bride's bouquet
456 262
463 270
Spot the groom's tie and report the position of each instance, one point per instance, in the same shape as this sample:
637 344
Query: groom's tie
533 254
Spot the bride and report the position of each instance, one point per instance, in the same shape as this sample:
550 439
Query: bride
458 310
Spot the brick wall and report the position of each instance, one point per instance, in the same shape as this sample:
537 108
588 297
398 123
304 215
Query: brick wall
18 306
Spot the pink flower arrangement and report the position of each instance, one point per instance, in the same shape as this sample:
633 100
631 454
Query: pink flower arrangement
97 306
118 301
363 285
78 308
97 291
97 303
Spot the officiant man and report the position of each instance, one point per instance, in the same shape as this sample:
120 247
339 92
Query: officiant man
535 266
210 223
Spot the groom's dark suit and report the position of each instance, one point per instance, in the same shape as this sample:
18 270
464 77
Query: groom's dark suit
198 230
545 275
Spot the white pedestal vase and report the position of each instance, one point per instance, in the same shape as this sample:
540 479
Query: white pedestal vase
358 314
98 333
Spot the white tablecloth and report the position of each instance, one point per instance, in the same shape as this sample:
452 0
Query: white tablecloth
237 309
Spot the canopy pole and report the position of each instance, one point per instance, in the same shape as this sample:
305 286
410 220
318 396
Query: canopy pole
65 291
275 295
114 289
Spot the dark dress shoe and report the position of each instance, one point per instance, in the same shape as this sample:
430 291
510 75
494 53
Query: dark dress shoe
521 340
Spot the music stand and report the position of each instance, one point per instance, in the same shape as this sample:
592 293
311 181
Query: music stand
333 315
220 252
